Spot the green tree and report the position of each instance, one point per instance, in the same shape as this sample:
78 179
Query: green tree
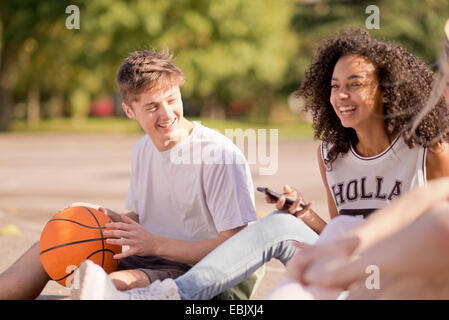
235 53
417 25
23 24
232 49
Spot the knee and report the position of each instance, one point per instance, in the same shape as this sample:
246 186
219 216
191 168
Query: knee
282 225
129 279
343 223
119 282
344 219
279 218
338 226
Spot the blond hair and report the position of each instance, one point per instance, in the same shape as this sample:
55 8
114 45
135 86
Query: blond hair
147 70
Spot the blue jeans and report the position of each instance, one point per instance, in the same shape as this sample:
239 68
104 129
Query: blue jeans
241 255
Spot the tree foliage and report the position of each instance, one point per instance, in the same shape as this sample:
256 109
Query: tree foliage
238 55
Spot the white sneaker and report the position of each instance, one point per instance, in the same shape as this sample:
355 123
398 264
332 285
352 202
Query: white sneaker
92 283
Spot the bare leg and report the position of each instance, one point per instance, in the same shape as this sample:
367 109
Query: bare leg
129 279
25 279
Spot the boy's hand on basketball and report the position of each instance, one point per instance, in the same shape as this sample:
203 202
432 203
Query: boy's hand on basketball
132 234
115 217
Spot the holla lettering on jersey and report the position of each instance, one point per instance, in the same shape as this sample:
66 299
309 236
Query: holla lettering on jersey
356 189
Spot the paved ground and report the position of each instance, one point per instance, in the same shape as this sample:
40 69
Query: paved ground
41 173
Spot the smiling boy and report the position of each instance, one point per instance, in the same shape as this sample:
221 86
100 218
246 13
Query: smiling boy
178 213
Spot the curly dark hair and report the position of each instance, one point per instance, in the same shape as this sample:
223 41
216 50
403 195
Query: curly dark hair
405 80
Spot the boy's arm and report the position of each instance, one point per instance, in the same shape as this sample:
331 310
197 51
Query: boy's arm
191 252
143 243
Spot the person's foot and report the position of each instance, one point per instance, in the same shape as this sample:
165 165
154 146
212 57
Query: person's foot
92 283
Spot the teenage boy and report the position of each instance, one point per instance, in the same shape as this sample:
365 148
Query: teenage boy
178 211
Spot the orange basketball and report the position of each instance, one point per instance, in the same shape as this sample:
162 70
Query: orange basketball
72 236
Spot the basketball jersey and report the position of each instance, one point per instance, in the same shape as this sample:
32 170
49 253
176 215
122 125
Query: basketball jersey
360 185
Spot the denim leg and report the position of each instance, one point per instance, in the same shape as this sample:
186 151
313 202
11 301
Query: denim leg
241 255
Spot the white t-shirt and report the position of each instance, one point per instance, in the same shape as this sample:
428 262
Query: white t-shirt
180 195
359 185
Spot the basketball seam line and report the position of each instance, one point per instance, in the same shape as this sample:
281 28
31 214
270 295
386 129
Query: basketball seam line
68 220
101 232
71 243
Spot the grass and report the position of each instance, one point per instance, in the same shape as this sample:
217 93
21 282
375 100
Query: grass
297 130
68 125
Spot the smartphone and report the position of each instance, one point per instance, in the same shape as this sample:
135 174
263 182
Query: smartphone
274 195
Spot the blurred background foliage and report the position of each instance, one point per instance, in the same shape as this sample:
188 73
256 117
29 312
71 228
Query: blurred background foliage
242 58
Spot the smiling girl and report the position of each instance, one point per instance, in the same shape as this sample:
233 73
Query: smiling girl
363 94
